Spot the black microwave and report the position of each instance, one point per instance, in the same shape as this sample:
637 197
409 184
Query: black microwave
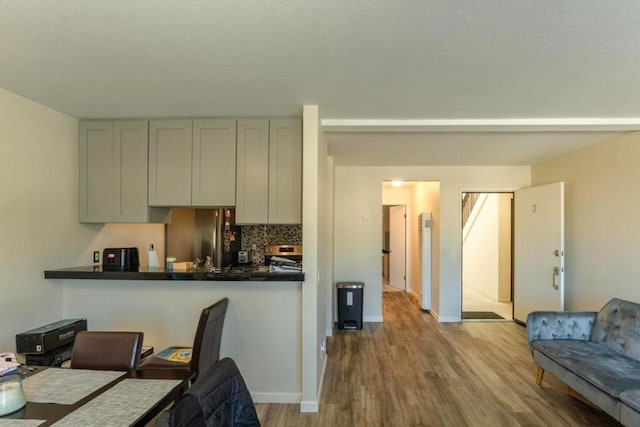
120 259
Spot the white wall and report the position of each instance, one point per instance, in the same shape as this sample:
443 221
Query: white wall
602 210
481 248
39 227
358 225
38 219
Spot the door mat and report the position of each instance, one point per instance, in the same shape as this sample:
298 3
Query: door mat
480 315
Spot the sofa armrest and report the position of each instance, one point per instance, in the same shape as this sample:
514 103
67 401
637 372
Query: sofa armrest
559 325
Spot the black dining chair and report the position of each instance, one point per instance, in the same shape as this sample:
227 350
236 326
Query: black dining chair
206 344
219 398
106 350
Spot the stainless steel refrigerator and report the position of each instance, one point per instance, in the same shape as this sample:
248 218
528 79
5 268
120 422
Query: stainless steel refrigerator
197 233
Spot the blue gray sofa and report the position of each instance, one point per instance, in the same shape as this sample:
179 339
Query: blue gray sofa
596 354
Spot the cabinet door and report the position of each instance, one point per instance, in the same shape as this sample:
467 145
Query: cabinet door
213 180
130 171
170 162
252 173
285 172
96 171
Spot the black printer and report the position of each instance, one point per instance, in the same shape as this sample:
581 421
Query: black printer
50 345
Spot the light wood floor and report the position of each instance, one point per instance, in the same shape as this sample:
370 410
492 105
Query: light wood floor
412 371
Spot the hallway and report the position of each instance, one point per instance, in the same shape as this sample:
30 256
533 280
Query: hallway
475 301
412 370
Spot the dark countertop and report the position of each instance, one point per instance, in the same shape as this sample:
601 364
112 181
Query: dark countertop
159 273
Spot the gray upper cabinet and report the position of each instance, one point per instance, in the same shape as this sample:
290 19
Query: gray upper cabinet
192 162
269 172
213 178
113 173
285 171
133 171
252 172
96 163
170 162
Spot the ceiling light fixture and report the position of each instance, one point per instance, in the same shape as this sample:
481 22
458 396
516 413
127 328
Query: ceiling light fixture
396 183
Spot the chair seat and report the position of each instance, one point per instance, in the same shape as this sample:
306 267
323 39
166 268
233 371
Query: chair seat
159 363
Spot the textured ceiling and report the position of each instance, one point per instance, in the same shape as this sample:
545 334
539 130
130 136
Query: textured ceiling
373 59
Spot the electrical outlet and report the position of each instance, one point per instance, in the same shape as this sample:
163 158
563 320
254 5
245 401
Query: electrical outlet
96 256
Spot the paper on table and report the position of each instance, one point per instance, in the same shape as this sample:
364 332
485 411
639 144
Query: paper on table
65 386
176 354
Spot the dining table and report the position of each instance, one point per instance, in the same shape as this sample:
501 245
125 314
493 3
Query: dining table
83 397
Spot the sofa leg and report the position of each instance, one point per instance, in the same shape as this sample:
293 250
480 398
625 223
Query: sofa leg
539 375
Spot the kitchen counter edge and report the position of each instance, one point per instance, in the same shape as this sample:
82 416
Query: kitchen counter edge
145 273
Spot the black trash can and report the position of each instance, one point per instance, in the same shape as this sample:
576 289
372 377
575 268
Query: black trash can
350 296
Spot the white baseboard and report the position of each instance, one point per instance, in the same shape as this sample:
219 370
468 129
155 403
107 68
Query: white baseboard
309 406
314 405
276 397
324 368
372 319
445 319
449 319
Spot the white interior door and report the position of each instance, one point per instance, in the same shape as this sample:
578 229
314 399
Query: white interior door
538 250
397 246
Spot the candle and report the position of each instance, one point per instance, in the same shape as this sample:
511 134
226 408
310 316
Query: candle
11 396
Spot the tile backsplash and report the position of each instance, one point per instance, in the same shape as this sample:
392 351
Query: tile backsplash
263 235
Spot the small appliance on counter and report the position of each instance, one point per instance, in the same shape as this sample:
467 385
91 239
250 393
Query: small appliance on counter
283 254
120 259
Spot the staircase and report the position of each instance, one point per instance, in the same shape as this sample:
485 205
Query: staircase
468 202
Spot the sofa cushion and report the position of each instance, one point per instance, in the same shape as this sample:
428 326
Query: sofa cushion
598 364
631 398
630 408
617 326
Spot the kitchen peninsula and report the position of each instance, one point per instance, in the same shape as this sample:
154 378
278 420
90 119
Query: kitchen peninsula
172 172
97 272
262 329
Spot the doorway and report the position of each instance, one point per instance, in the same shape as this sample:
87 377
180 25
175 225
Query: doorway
487 256
394 248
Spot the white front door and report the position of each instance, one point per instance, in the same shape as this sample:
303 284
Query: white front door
397 247
538 250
